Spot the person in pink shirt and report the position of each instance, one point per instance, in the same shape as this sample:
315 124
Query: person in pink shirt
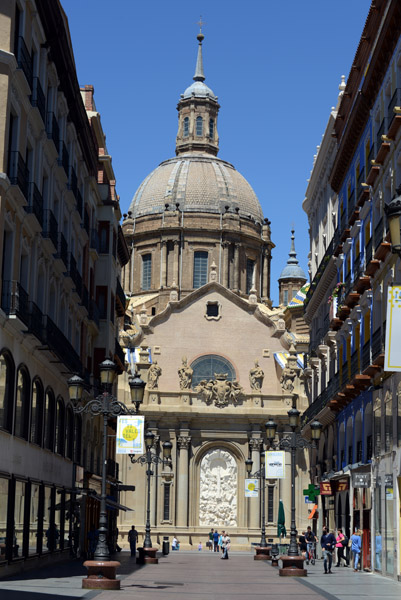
341 544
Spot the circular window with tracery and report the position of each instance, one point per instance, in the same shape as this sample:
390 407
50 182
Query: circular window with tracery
207 367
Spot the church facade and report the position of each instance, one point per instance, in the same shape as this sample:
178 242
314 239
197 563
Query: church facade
201 331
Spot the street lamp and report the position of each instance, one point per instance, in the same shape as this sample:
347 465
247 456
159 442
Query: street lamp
393 213
292 442
108 406
148 458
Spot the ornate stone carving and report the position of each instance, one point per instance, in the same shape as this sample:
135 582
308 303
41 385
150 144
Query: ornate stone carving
287 379
183 442
256 376
153 376
213 272
255 443
218 489
185 374
220 391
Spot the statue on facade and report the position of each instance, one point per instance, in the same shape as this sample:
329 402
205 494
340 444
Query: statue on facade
153 376
185 374
287 379
220 391
256 376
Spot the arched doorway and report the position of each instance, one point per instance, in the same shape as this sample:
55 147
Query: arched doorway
218 488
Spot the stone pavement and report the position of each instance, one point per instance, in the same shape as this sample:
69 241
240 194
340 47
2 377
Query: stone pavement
201 575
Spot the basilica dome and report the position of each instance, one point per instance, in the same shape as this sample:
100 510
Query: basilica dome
198 182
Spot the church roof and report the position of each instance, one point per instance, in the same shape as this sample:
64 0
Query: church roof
292 270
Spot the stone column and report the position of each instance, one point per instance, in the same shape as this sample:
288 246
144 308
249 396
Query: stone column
236 267
226 265
163 263
254 503
176 263
182 481
265 276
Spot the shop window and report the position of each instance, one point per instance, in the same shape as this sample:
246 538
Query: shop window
50 413
33 519
200 269
19 512
48 520
146 271
22 404
389 531
378 528
37 405
7 371
4 495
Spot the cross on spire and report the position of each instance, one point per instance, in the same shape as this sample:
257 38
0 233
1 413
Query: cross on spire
201 23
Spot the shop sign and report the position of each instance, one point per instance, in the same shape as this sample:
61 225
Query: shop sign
342 485
325 488
361 480
392 349
251 488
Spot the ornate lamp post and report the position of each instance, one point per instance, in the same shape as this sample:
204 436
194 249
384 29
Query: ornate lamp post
293 563
148 458
393 212
107 406
261 474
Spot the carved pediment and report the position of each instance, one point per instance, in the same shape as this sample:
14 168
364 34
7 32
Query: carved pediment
220 391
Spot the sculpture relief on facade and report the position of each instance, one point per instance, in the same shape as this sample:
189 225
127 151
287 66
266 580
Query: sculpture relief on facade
256 376
218 489
220 391
287 379
153 376
185 374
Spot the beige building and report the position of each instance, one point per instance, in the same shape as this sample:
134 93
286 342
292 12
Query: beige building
205 337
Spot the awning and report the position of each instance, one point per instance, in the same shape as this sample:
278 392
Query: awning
281 358
312 512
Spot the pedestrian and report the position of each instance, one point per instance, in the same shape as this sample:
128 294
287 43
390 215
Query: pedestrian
200 546
328 542
342 543
175 544
378 551
226 544
209 543
311 540
216 541
133 539
220 542
302 545
356 545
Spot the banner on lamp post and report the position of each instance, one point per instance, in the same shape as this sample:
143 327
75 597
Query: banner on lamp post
275 464
392 349
251 488
130 434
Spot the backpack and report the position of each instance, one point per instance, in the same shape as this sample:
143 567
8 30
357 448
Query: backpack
344 541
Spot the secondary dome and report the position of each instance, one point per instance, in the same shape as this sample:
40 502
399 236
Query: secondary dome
199 183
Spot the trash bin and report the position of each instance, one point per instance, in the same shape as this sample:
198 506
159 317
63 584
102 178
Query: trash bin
166 545
140 559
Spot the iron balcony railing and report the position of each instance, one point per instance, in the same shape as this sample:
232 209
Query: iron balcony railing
376 343
53 130
18 172
62 249
322 266
64 159
49 230
59 344
345 375
74 274
381 131
366 358
395 101
85 297
38 98
357 267
379 232
361 180
371 157
14 300
368 252
343 221
347 283
35 321
24 60
351 204
35 206
355 363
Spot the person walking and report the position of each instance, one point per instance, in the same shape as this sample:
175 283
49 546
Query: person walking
133 539
210 540
220 542
311 540
356 546
225 544
216 541
175 545
342 542
328 542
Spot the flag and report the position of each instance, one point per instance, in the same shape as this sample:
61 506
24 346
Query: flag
281 530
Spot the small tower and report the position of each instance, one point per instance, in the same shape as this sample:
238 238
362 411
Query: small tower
197 114
292 277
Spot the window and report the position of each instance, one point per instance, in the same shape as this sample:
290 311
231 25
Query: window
77 439
104 237
270 503
166 503
6 390
50 410
33 519
199 126
212 309
69 449
22 404
60 427
37 413
206 368
377 426
146 271
200 269
211 128
186 127
250 275
19 512
285 301
388 439
101 300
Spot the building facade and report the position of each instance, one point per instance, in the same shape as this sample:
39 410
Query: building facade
355 175
217 358
61 256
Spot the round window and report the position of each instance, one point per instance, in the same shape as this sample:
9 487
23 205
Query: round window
207 367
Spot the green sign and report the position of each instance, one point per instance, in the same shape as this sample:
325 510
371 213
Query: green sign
312 491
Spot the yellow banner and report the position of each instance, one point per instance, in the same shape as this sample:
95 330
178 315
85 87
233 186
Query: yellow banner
130 434
392 351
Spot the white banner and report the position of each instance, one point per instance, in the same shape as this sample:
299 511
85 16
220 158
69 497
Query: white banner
251 488
275 464
130 434
392 352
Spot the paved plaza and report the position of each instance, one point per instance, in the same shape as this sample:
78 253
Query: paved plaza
201 576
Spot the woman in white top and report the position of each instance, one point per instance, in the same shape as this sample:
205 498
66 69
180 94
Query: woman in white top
174 544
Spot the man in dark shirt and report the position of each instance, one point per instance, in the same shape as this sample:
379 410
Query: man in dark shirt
328 542
216 541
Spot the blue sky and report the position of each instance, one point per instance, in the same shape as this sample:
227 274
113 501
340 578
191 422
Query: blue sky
275 67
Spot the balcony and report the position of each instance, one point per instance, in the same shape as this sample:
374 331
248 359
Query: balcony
353 210
35 321
18 172
372 169
394 114
323 264
121 300
85 297
378 347
60 346
119 356
35 206
50 228
382 145
94 240
53 130
112 468
24 60
38 99
73 182
362 190
62 249
74 274
86 222
94 313
64 158
354 364
14 300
